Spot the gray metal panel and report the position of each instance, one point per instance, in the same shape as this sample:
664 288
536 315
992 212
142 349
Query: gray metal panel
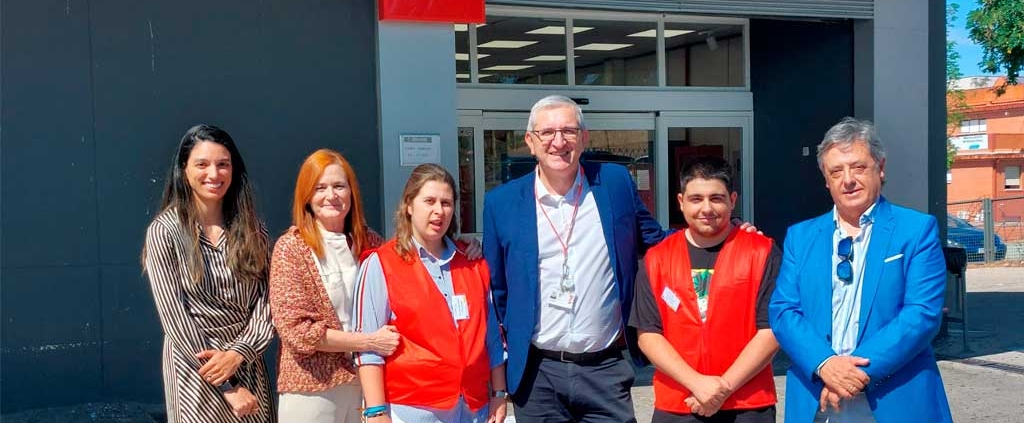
132 339
937 194
52 336
850 9
49 203
96 96
801 76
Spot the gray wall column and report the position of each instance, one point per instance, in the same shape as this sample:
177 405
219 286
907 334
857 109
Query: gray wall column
904 98
864 69
417 96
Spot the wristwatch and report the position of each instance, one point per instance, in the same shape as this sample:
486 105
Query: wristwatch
229 384
503 394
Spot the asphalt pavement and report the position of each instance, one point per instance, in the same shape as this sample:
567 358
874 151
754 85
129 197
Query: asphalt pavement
984 382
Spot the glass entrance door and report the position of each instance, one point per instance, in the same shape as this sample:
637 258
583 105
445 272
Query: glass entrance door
492 151
690 135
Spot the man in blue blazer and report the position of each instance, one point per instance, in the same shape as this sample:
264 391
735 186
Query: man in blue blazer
562 245
859 297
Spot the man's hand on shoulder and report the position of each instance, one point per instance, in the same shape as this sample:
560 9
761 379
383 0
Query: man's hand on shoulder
746 226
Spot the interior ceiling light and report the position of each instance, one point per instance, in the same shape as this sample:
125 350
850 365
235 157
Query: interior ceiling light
462 76
559 30
465 27
546 58
653 33
602 46
506 44
465 56
507 67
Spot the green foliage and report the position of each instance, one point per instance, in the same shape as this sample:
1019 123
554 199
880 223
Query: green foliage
998 27
955 103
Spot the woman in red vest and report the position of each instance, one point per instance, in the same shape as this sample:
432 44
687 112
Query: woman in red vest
449 364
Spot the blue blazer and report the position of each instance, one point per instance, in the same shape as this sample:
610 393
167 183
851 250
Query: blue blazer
510 248
901 306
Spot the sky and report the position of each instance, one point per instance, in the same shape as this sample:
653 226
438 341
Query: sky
970 53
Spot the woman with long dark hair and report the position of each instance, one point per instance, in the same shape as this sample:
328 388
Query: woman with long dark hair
206 255
449 365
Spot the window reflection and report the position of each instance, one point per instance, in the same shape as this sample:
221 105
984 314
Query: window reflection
512 50
529 50
467 185
704 55
462 53
506 157
616 53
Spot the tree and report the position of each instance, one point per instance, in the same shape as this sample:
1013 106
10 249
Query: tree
998 27
955 99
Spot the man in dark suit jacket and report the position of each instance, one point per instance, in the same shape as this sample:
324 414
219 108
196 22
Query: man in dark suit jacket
562 245
859 297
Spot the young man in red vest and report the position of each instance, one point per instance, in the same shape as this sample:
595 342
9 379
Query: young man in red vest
703 314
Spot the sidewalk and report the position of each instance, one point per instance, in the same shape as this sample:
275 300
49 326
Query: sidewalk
983 383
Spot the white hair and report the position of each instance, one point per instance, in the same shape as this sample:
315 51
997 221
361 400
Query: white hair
553 102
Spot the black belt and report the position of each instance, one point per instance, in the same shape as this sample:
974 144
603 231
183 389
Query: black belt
581 358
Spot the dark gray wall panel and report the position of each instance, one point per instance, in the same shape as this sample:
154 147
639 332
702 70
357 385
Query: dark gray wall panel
937 113
50 307
801 75
51 332
34 379
132 338
111 90
49 204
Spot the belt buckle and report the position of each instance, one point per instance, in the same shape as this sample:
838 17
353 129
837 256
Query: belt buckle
561 357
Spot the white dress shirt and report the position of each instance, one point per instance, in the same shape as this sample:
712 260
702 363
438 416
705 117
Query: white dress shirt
594 321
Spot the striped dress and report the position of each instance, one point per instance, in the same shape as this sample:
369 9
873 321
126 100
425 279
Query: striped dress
220 313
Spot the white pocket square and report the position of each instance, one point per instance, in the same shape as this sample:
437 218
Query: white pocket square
896 257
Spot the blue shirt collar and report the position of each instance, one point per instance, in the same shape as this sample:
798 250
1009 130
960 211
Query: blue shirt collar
446 256
866 218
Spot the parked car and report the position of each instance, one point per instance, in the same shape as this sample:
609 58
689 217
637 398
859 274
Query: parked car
961 233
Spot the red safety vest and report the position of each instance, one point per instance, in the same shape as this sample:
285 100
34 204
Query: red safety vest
711 347
436 361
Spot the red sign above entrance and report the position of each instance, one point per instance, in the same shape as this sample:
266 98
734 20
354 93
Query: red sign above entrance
452 11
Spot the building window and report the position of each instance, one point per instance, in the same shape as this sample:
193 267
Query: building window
1012 177
973 126
593 48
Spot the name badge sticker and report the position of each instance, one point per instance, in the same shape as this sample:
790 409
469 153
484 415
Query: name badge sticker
562 301
670 298
460 307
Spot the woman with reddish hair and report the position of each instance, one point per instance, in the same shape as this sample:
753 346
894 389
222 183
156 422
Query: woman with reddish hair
312 278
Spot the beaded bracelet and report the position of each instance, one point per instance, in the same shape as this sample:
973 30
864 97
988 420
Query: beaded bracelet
375 411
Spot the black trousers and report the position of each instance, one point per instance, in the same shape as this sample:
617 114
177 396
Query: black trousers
760 415
557 392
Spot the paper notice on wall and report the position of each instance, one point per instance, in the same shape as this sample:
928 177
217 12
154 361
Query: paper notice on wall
643 180
419 149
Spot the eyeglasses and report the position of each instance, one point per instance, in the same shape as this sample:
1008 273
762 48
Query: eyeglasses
548 135
844 270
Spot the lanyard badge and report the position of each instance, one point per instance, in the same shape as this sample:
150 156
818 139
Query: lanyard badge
565 297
